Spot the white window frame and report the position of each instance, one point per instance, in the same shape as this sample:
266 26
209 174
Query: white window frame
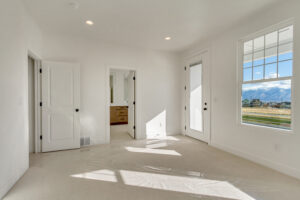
240 57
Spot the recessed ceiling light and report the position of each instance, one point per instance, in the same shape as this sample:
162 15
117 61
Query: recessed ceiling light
168 38
89 22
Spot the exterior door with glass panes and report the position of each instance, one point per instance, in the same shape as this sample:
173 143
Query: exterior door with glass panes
197 97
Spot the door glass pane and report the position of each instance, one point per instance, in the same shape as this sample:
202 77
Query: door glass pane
196 118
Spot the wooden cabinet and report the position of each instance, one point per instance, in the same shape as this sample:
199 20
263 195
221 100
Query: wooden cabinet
118 115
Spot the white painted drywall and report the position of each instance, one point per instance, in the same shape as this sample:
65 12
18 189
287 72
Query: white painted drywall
119 91
157 89
275 149
18 34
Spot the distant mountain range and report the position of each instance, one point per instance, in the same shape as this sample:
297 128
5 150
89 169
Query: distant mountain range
268 95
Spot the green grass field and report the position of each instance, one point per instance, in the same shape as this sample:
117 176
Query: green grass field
278 118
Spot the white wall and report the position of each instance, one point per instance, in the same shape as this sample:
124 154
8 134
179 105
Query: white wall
18 34
266 146
157 82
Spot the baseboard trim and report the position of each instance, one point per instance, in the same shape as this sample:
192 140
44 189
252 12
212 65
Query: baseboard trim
282 168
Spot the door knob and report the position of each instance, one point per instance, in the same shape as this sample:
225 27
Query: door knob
77 110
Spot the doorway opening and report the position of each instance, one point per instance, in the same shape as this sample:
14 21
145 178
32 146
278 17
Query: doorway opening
122 104
34 110
31 104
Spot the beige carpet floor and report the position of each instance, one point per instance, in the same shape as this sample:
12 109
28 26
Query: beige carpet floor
173 168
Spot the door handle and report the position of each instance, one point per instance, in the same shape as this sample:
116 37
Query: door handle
205 109
77 110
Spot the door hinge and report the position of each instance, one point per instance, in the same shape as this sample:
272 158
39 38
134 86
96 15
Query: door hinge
41 104
184 68
41 137
41 70
184 127
134 103
184 107
134 127
184 87
134 78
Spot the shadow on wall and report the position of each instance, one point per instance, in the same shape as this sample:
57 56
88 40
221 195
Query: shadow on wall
156 127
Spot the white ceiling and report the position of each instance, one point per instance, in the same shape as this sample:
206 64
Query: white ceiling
143 23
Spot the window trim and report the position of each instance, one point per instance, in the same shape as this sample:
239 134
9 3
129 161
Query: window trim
240 82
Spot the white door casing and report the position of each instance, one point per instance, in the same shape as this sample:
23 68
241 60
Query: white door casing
60 101
131 104
197 96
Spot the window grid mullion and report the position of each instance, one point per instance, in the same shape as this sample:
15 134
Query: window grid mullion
271 47
279 61
268 80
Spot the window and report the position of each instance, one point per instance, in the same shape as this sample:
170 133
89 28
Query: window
267 79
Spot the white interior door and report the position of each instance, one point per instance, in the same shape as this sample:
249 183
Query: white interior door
60 106
131 104
198 97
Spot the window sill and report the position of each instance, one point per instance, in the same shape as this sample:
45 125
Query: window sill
271 129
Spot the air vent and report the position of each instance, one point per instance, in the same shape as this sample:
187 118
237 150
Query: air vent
84 141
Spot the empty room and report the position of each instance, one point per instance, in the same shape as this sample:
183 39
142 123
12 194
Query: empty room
149 99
